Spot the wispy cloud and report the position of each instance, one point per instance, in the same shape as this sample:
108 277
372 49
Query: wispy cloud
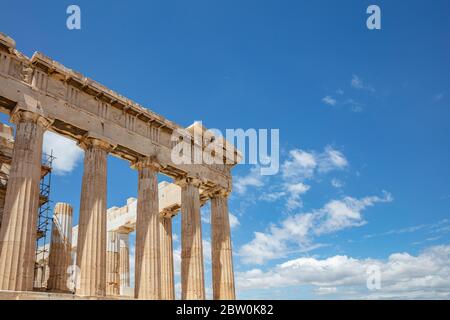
299 230
234 221
207 250
295 190
329 100
253 179
303 165
299 167
348 101
359 84
354 105
331 159
272 196
430 228
336 183
397 231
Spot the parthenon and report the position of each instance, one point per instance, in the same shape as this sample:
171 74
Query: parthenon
40 94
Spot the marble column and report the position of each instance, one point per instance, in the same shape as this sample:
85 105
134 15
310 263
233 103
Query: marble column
91 245
2 205
18 231
60 256
167 272
112 264
192 269
221 253
38 276
147 273
124 261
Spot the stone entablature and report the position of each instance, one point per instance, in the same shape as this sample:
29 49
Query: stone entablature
80 107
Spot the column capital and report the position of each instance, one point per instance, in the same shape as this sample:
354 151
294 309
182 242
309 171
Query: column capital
89 142
216 193
28 116
147 162
170 212
184 181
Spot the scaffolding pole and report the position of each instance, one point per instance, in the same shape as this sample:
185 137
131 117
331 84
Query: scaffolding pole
44 224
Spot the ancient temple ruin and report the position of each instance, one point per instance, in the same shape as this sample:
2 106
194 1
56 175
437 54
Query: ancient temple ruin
40 94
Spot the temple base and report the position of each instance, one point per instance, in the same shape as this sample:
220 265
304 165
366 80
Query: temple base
35 295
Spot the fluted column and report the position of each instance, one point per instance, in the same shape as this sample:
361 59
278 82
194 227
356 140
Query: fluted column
124 261
147 273
221 253
112 264
38 276
60 247
167 273
2 206
192 269
19 222
91 246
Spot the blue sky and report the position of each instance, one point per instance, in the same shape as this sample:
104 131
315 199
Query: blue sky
363 118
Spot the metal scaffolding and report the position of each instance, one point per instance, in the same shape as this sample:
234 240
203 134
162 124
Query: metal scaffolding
44 224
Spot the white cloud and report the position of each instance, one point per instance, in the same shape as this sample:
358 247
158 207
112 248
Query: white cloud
331 159
178 290
325 290
177 261
426 275
300 165
329 100
205 214
337 183
67 153
303 165
234 221
355 106
439 228
356 82
359 84
296 232
272 196
345 213
253 179
207 251
295 190
262 248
